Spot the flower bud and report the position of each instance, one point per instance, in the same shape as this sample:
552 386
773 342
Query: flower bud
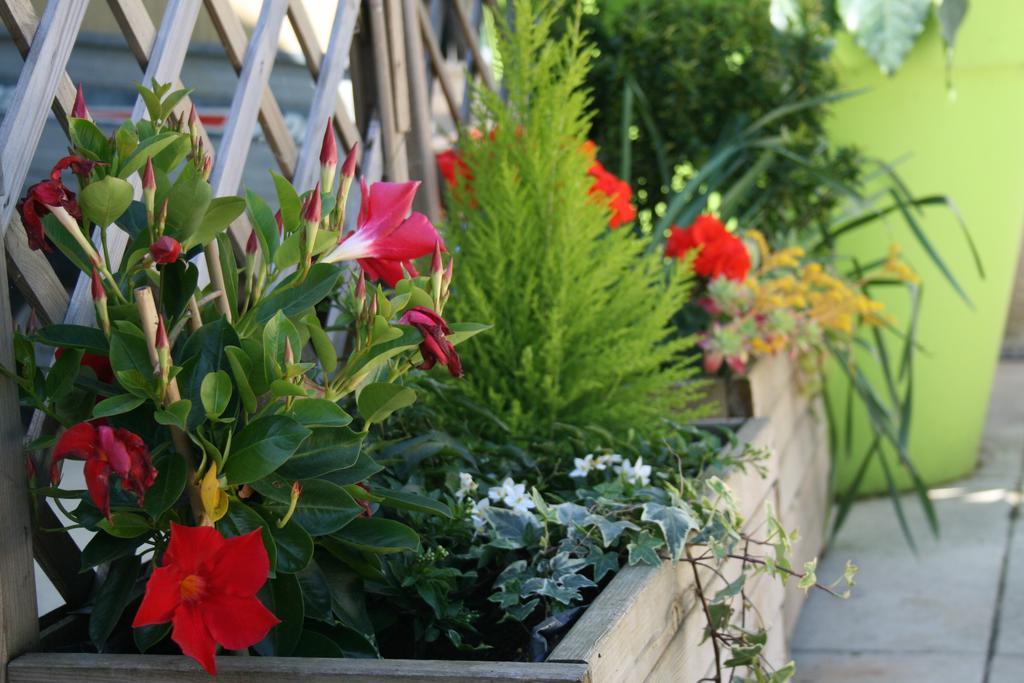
251 245
292 504
311 214
98 291
163 352
348 168
78 109
280 223
149 189
328 159
360 293
207 167
289 353
99 300
446 281
165 249
437 274
193 125
161 220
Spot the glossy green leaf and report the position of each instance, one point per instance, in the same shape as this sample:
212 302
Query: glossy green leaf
293 299
240 369
88 339
220 213
323 507
116 405
319 412
377 401
149 147
110 600
326 450
90 140
125 525
103 201
283 596
106 548
175 415
294 545
261 447
413 501
172 474
215 392
61 377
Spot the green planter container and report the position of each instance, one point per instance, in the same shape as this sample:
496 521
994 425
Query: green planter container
970 146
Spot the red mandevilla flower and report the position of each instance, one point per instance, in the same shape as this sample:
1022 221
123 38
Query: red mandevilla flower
721 252
452 167
37 202
435 347
106 450
165 249
387 236
206 587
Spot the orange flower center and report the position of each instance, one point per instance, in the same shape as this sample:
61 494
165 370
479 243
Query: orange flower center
192 588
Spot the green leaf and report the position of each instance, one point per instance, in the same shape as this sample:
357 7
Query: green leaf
146 637
261 447
377 401
288 200
645 549
215 393
283 596
319 412
111 599
313 644
291 299
202 354
294 545
413 501
125 139
675 523
363 469
463 331
951 14
325 351
172 473
323 507
264 224
88 339
125 525
117 405
175 415
187 203
240 520
346 592
129 353
149 147
106 548
281 388
240 368
219 215
61 377
103 201
89 139
178 284
277 330
326 450
886 29
378 535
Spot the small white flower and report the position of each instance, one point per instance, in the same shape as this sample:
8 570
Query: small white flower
513 495
477 513
608 459
498 493
466 486
635 474
585 466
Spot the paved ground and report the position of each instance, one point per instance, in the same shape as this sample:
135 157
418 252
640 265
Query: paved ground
955 612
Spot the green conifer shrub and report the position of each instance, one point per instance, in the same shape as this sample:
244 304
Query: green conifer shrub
581 315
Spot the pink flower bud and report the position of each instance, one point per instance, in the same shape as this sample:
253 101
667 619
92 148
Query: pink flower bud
98 292
329 149
348 169
207 167
148 177
193 117
311 210
289 353
436 266
280 223
165 249
251 245
361 286
161 334
78 109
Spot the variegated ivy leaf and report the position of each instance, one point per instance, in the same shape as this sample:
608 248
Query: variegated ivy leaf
675 522
610 530
645 549
886 29
810 577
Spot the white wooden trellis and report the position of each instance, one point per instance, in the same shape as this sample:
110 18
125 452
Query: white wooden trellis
396 139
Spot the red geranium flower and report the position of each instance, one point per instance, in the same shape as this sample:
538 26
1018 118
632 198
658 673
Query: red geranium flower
618 192
435 347
165 249
721 252
387 236
206 587
106 450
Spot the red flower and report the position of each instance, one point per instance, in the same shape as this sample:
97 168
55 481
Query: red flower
106 450
165 249
387 236
435 347
452 167
36 204
617 191
78 166
206 587
721 252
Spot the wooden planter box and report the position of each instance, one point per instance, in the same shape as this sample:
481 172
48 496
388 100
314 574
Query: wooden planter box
646 624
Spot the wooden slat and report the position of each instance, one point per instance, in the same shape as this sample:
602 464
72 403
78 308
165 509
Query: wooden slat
476 16
399 64
303 27
74 668
332 70
469 33
31 273
394 153
232 36
23 123
438 64
422 164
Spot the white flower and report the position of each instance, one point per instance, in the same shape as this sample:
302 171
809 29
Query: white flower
608 459
635 474
585 466
477 513
513 495
466 486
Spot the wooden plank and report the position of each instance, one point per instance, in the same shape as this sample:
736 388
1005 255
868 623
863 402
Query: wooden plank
395 168
469 34
74 668
303 27
32 274
23 122
19 627
476 16
422 164
232 36
332 70
438 63
399 64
